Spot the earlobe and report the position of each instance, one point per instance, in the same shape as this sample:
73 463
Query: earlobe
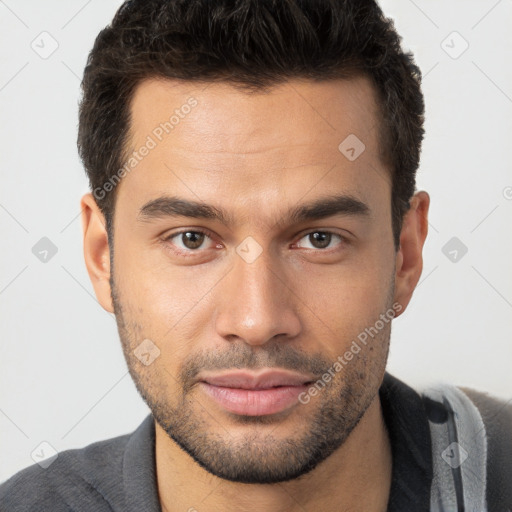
96 250
409 258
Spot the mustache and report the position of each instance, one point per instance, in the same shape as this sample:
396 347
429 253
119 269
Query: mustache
242 356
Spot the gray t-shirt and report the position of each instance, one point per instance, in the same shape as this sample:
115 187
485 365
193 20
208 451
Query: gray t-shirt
113 475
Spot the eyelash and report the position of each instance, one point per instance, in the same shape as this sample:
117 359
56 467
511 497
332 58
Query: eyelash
193 252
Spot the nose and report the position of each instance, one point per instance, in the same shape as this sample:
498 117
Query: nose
257 302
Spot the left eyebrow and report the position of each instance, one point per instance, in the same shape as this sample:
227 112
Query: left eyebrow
328 207
320 208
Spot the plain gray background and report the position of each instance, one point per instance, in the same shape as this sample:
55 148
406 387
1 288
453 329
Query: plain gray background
63 378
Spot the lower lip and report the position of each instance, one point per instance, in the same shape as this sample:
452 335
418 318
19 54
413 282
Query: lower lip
250 402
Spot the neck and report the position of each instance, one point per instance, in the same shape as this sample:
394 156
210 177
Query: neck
357 476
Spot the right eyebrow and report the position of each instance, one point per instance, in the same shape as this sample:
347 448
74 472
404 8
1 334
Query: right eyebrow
175 207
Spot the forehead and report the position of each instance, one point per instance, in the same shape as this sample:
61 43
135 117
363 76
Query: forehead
311 107
215 134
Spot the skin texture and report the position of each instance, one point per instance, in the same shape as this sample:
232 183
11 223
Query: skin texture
298 305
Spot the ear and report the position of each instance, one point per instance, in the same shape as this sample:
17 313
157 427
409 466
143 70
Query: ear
409 258
96 250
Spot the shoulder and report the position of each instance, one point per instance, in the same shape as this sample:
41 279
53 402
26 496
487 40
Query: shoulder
497 418
76 476
492 413
495 410
496 415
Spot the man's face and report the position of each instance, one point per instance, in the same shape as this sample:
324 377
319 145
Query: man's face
293 296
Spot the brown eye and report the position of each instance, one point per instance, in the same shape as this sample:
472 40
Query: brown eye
192 239
320 239
189 240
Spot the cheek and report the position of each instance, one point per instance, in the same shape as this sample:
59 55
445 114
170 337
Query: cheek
341 301
169 302
350 289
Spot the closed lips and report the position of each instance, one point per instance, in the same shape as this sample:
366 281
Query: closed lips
266 380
